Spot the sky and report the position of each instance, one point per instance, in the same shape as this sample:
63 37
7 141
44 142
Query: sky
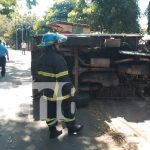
143 5
43 5
38 10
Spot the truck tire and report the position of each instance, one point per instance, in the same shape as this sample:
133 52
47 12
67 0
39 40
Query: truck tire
81 100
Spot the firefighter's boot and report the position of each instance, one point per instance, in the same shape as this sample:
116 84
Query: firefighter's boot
74 130
54 132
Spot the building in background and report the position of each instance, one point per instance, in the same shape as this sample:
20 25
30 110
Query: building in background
69 28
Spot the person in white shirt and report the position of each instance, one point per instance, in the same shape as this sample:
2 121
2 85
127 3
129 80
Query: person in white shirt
23 47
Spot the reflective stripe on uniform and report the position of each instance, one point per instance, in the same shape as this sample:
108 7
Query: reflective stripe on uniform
55 97
61 74
56 90
48 119
53 75
51 121
69 120
58 98
47 74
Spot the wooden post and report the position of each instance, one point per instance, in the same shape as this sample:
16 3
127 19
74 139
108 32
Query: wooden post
76 69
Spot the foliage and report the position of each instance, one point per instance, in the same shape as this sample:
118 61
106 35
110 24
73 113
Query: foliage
5 29
60 10
80 14
101 15
7 6
117 16
15 27
107 15
31 3
148 17
39 27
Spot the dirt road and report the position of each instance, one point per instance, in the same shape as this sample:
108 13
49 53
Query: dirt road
109 124
126 123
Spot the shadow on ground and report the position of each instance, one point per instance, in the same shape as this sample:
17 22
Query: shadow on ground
24 134
15 75
29 135
133 110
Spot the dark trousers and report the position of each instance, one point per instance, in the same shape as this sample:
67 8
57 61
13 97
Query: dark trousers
65 110
23 51
2 65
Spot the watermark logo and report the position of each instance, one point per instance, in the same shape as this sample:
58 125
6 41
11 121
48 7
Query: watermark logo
53 92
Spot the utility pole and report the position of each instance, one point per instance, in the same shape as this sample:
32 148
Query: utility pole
22 32
16 39
16 33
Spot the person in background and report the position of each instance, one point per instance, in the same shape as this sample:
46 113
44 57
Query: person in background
52 68
3 54
23 47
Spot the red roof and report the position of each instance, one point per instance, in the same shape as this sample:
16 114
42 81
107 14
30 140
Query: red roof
68 23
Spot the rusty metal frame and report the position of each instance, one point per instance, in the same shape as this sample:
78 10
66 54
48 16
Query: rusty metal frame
76 56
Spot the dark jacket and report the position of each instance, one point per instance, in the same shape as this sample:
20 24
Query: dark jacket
52 68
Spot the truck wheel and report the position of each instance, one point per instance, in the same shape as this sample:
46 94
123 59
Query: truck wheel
81 100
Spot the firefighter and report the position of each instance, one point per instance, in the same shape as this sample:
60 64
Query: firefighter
52 68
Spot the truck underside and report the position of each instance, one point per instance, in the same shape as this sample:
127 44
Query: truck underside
105 65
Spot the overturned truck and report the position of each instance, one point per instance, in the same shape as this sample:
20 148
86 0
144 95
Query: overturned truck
105 65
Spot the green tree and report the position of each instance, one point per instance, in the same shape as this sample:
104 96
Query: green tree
15 27
107 15
7 6
39 27
116 16
80 14
60 10
31 3
6 27
148 18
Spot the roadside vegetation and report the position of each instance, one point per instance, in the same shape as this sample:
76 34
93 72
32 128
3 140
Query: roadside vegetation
105 16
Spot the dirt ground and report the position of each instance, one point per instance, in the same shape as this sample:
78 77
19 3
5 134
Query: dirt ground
126 123
108 124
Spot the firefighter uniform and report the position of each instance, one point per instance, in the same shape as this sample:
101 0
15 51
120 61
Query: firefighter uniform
52 69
